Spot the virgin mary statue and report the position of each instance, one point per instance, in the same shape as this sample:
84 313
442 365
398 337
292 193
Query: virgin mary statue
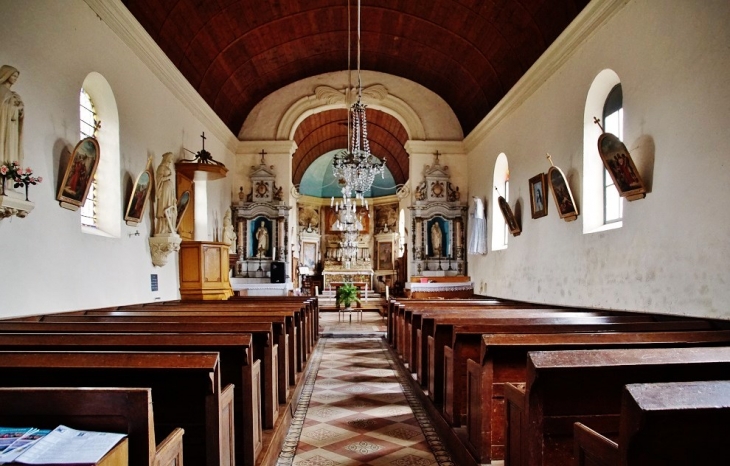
12 113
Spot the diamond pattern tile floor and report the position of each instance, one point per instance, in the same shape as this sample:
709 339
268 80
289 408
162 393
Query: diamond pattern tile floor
354 408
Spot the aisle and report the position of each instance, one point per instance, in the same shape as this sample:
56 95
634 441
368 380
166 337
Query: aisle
354 409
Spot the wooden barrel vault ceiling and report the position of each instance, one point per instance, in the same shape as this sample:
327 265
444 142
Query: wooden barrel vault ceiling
469 52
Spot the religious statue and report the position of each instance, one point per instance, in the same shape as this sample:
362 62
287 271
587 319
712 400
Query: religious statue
165 201
436 239
12 113
262 239
229 233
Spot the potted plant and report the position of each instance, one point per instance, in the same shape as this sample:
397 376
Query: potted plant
347 294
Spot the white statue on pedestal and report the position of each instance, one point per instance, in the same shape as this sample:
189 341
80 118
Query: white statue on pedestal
229 233
165 200
12 114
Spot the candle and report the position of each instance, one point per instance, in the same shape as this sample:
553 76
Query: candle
332 202
316 291
386 292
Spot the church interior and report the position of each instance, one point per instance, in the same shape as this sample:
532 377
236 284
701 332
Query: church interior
191 168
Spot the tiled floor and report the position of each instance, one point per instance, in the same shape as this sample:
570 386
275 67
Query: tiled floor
355 410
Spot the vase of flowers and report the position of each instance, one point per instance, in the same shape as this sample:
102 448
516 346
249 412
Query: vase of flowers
24 177
6 171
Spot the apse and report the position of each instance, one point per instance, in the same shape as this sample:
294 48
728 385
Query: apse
318 180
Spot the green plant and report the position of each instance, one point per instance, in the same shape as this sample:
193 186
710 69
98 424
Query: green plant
347 294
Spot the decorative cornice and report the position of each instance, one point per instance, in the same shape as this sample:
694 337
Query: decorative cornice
593 16
326 98
271 147
128 29
429 147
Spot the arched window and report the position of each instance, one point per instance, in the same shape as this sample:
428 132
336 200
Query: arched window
88 125
500 233
101 214
602 207
402 233
613 122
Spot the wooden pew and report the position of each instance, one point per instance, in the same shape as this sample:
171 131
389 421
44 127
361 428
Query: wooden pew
186 390
307 308
527 321
503 358
297 328
279 322
120 410
663 424
564 387
237 367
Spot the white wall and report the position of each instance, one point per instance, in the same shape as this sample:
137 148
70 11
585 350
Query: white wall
672 254
46 263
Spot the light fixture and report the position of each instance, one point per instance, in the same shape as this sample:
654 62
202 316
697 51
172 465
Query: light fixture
356 166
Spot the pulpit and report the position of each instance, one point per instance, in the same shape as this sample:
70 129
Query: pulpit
204 271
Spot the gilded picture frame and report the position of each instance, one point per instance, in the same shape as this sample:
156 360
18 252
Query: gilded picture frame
509 218
538 195
183 203
562 195
621 167
79 173
139 196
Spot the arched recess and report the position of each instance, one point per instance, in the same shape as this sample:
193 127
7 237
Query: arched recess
109 204
501 182
593 184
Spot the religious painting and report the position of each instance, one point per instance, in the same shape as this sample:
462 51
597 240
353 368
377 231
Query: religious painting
182 207
332 215
562 195
509 217
308 257
386 218
79 173
138 199
385 255
260 238
620 166
309 218
538 201
438 234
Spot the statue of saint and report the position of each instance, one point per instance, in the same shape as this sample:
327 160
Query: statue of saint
436 239
229 233
262 239
165 201
12 113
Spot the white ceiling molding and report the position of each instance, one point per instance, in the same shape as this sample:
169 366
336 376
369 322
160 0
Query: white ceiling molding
128 29
593 16
328 98
271 147
430 147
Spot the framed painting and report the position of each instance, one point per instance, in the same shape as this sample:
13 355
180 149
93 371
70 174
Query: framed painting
332 215
79 174
509 217
308 257
538 200
182 207
562 195
620 166
385 255
138 199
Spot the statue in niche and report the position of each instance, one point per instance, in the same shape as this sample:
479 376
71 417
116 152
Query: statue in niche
165 199
262 239
436 239
12 114
229 233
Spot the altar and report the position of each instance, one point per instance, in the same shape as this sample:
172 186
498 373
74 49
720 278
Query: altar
332 274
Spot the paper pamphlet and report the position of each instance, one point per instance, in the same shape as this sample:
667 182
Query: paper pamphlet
62 445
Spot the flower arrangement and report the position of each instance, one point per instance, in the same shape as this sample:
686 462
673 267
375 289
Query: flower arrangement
19 176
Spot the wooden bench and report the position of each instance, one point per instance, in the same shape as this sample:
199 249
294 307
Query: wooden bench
237 368
503 358
282 361
663 424
186 390
120 410
564 387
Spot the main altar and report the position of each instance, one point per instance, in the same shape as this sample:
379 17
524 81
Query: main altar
357 272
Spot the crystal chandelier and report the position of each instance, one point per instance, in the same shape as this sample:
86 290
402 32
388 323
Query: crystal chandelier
355 166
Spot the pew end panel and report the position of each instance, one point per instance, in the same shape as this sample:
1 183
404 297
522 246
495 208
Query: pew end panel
593 449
